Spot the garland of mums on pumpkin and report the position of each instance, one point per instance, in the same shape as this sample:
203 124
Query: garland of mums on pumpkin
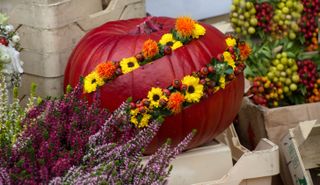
192 88
184 32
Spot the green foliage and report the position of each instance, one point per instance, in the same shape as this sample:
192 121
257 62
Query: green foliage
11 115
264 51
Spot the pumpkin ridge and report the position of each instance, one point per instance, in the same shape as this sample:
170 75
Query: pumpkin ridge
172 69
97 49
204 48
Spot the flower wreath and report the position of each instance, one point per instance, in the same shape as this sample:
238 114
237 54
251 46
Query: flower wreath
185 31
182 93
192 88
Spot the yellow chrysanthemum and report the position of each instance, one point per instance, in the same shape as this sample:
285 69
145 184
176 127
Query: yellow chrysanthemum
216 88
228 58
222 82
133 119
92 81
144 120
129 64
176 45
231 42
134 112
198 31
166 38
194 91
154 96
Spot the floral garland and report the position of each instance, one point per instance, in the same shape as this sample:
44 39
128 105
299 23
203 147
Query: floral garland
192 88
184 32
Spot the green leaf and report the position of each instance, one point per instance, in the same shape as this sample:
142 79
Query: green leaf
214 61
291 55
302 39
303 89
290 44
229 71
296 99
248 72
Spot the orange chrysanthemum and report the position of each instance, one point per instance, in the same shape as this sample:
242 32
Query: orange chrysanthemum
185 26
245 51
106 70
175 102
150 48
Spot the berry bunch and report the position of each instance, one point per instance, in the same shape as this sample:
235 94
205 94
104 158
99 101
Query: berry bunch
307 71
264 92
308 23
264 15
243 17
283 72
286 18
315 96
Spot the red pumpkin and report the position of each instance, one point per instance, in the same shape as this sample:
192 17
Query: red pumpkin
120 39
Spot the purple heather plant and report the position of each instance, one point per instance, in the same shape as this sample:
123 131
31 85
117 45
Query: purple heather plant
79 143
55 137
4 177
113 163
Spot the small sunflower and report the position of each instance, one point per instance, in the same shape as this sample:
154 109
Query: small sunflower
194 91
144 122
129 64
154 96
175 102
92 81
167 39
228 58
106 70
231 42
185 26
150 48
198 31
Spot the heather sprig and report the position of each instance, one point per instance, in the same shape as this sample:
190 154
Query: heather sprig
55 137
4 177
114 163
115 127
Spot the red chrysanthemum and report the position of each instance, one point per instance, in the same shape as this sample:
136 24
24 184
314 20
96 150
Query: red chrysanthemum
106 70
245 51
175 102
185 26
150 48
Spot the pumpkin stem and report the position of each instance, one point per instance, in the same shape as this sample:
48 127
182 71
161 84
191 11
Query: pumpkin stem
148 26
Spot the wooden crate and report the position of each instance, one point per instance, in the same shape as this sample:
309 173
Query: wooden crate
212 164
246 171
50 29
256 122
301 154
